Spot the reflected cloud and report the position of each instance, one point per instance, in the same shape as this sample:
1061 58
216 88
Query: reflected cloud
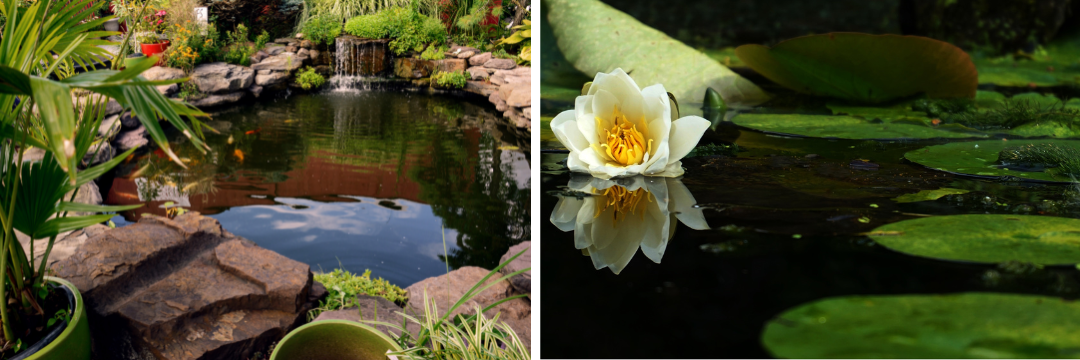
611 219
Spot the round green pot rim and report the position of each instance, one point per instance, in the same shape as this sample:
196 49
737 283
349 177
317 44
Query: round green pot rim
393 344
77 317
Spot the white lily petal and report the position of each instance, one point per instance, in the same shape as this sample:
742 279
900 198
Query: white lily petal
685 134
657 163
573 161
604 229
566 211
583 227
682 205
625 90
603 108
655 238
590 158
672 170
657 105
565 128
586 121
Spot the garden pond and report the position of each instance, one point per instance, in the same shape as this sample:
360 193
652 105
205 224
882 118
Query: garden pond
359 180
792 220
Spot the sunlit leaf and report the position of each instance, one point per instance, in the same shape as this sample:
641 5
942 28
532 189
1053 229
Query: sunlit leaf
987 238
865 68
979 158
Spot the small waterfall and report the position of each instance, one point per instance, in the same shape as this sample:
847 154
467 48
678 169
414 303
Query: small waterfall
357 63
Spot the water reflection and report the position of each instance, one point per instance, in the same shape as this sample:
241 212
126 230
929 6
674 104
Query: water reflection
366 178
612 218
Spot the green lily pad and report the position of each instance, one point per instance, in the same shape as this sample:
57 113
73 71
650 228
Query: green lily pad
865 68
559 80
595 37
967 325
1054 65
928 195
885 113
851 127
986 238
977 158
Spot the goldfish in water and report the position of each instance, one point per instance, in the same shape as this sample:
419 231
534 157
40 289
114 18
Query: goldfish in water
250 132
239 154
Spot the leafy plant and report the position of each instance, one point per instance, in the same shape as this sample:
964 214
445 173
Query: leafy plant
449 79
343 286
711 149
309 79
342 10
261 40
433 53
36 41
190 47
322 30
466 336
865 68
410 30
523 35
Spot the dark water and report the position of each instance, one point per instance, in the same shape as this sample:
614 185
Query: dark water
361 180
785 217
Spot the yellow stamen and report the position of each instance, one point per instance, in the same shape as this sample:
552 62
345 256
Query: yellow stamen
624 202
624 143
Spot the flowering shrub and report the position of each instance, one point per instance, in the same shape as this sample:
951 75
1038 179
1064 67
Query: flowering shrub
189 47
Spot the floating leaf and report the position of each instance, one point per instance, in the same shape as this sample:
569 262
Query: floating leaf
850 127
1053 65
928 195
967 325
987 238
979 158
865 68
595 37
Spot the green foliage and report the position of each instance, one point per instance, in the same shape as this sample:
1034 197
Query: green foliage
985 238
309 79
711 149
1015 114
343 286
261 40
1057 160
322 30
980 158
342 10
410 30
464 337
649 55
865 68
239 49
449 79
965 325
190 47
433 53
928 195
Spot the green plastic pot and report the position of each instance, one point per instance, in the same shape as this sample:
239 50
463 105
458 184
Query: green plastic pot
74 342
334 340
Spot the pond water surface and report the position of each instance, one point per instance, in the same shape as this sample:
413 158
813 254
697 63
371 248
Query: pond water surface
787 219
357 180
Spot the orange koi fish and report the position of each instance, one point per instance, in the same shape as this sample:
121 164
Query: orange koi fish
239 154
250 132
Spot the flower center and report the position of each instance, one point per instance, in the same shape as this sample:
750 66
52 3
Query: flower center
623 202
623 143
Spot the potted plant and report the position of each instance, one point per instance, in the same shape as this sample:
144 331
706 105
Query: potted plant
149 36
43 317
439 337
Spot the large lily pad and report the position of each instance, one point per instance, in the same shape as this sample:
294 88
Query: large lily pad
929 195
852 127
968 325
1054 65
987 238
864 67
595 37
978 158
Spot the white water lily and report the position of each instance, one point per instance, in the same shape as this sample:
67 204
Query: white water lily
619 216
618 129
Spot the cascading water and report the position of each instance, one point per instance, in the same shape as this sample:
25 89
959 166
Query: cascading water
357 61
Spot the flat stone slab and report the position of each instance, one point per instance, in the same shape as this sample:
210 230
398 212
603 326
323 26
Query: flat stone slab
521 282
185 288
220 77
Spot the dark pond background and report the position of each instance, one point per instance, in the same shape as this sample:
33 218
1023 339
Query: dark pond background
353 179
785 230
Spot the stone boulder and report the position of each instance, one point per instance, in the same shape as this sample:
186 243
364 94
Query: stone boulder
480 87
109 127
222 77
412 68
501 64
272 78
371 308
168 90
447 289
218 100
286 61
463 52
185 288
479 60
516 95
521 282
163 73
479 73
132 139
272 49
450 65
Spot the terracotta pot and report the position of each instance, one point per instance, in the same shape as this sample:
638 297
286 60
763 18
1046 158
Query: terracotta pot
154 49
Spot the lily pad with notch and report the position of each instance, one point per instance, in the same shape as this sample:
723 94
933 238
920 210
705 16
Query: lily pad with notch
980 159
965 325
986 238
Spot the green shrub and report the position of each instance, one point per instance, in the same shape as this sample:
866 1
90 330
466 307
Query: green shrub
433 53
410 30
261 40
451 79
342 10
322 30
309 79
343 286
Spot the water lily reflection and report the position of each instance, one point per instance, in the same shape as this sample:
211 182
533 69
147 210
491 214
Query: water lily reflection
612 218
